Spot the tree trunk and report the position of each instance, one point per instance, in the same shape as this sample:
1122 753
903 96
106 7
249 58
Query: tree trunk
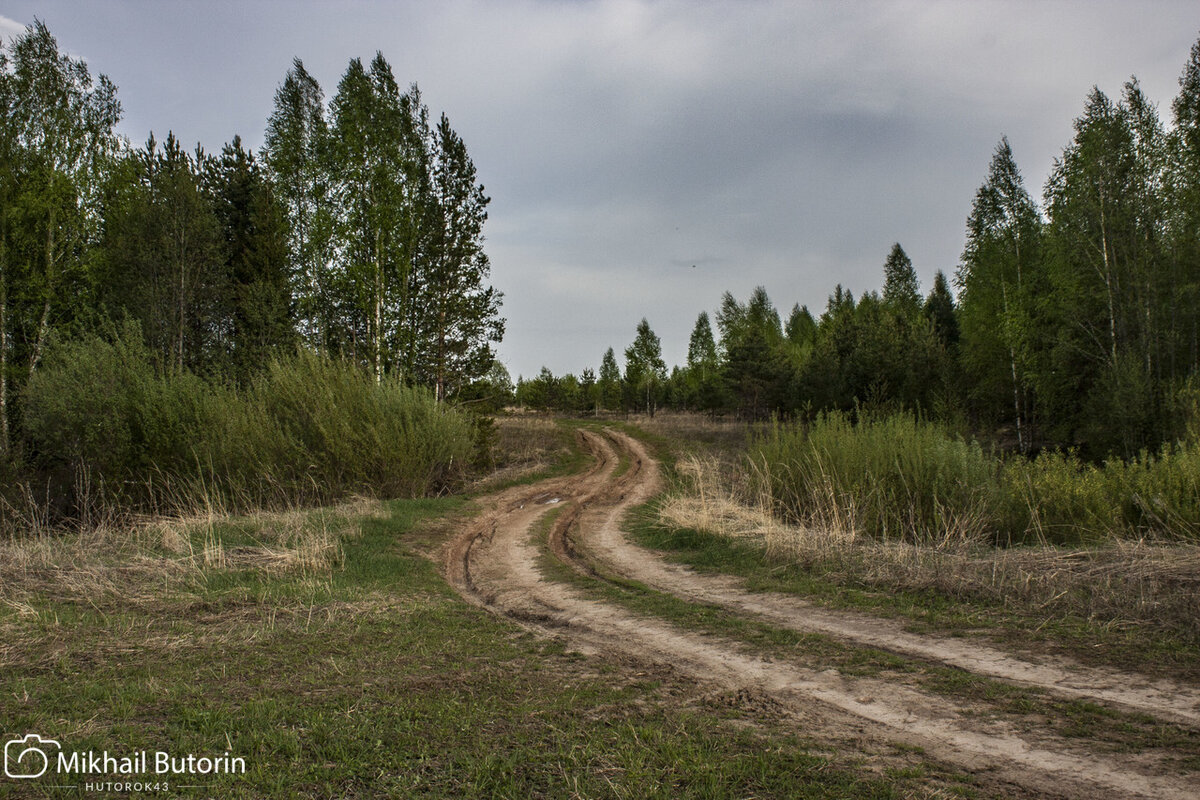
1108 278
44 324
1012 361
3 341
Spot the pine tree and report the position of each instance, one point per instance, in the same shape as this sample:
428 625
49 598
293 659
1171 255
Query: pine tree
901 290
460 310
609 383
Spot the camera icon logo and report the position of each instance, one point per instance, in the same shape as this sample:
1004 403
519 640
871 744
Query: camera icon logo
27 757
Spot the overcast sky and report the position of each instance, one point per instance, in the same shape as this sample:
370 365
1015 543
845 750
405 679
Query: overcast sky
645 157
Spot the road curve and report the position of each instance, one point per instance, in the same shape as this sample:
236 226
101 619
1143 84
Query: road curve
493 563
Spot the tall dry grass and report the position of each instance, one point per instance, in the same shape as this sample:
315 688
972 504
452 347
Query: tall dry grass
145 563
1117 581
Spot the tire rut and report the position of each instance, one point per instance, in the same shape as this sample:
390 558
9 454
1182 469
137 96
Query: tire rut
494 563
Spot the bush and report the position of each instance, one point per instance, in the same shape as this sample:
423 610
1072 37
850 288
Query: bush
896 477
892 477
104 425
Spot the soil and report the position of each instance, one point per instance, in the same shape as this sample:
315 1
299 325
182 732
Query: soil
494 563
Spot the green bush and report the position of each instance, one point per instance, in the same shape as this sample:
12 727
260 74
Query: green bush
102 424
901 478
887 476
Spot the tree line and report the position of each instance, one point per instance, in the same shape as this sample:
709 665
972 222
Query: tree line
356 232
1076 322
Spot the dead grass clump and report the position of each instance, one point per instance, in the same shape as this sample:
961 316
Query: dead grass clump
529 442
141 563
724 435
1117 582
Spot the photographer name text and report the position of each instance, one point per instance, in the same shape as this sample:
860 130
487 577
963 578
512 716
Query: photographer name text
142 763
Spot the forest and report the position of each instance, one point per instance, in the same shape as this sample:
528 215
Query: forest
267 490
155 299
1073 323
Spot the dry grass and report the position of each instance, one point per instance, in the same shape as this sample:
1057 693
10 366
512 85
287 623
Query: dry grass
1116 583
142 563
528 440
524 445
720 434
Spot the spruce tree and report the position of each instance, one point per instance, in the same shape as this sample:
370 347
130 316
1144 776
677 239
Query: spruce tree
901 290
939 310
254 229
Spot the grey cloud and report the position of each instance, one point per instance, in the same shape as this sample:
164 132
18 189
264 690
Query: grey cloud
776 143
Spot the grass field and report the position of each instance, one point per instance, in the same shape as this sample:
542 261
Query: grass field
325 649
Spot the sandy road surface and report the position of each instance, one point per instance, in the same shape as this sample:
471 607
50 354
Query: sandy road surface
494 563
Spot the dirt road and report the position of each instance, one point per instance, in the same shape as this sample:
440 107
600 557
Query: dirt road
495 563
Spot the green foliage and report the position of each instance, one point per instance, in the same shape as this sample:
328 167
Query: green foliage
896 477
901 290
645 371
939 310
888 476
608 384
756 368
105 426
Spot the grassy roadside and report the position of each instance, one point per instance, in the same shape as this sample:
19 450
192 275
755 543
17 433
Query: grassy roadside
1175 748
928 610
325 649
930 605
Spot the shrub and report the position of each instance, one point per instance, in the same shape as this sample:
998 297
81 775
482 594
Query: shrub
896 477
888 476
104 425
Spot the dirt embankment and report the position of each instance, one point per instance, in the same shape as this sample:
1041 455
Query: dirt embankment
494 563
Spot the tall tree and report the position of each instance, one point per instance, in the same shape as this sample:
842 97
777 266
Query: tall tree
645 370
1105 261
755 369
370 161
296 152
939 310
901 290
999 278
609 383
56 140
254 230
165 262
460 309
1183 196
702 377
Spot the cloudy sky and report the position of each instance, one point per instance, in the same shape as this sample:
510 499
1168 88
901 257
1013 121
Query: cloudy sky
645 157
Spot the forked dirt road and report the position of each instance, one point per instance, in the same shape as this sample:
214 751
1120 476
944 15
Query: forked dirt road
494 563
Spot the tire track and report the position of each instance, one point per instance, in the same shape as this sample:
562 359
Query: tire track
607 543
494 564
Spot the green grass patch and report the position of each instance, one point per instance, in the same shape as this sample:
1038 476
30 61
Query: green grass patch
369 677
